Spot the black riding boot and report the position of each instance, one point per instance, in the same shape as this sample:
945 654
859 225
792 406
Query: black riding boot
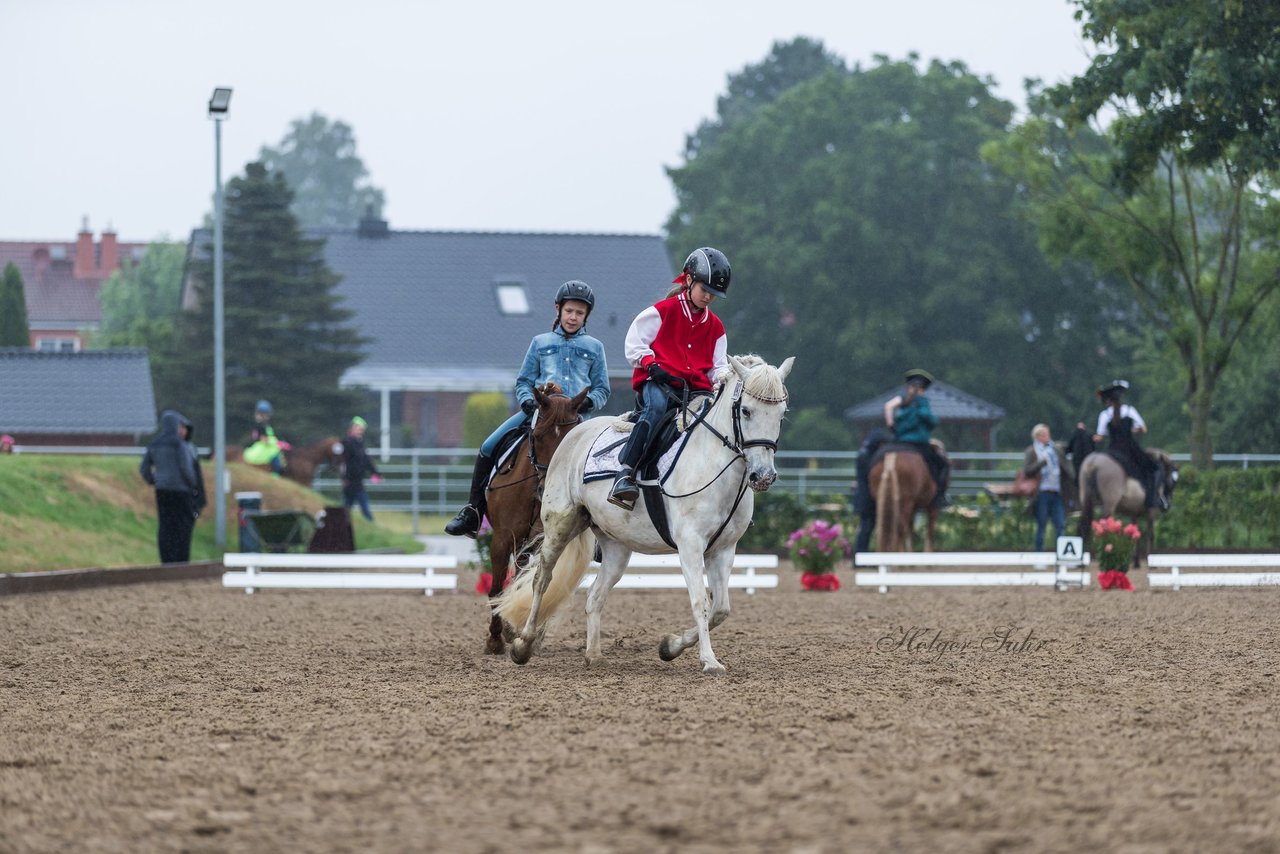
943 480
1155 489
625 491
467 522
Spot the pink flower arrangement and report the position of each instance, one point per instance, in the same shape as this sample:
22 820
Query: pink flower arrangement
816 548
1114 543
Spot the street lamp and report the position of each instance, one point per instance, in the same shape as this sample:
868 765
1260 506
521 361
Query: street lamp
218 105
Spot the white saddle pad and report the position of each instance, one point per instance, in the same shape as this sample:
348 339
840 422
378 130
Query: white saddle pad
603 464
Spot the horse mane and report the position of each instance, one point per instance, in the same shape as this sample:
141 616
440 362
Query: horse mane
762 385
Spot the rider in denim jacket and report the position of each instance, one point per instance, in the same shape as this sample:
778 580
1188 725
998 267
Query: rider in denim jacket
567 356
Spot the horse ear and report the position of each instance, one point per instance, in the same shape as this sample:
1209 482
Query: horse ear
785 368
742 370
539 396
580 398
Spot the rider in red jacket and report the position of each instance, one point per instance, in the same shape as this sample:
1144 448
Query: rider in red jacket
677 342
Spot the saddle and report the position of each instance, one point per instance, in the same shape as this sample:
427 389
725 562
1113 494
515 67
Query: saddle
504 453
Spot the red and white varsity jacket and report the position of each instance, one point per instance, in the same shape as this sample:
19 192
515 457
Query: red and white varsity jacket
688 344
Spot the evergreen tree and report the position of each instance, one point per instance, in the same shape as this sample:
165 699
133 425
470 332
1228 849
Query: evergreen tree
329 180
14 329
288 340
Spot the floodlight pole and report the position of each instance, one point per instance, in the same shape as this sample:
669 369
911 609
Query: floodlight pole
218 111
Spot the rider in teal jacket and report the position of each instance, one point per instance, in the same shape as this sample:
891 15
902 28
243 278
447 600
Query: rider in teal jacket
913 421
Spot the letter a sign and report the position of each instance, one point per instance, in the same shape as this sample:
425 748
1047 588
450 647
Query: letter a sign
1071 550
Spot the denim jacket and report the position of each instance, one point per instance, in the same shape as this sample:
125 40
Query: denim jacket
574 363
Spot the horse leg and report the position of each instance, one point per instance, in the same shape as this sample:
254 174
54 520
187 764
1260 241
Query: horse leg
499 559
558 537
613 562
930 528
692 564
718 568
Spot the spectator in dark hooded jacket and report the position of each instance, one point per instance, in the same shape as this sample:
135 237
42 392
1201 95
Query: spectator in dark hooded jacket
169 465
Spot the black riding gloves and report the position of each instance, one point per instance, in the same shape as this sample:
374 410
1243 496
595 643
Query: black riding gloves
657 373
529 406
586 406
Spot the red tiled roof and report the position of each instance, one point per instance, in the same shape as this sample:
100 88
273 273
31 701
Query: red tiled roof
53 292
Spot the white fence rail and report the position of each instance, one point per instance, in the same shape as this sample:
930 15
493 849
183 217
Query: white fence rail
1177 579
1045 572
747 580
424 578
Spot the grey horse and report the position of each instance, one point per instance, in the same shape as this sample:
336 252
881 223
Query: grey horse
1104 484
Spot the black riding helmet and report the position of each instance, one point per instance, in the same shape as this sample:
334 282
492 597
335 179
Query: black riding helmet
710 267
574 289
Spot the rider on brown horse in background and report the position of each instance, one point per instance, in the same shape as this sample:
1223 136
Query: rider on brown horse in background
912 422
1121 422
566 356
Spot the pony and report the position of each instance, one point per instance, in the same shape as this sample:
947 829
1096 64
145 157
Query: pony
1103 483
708 497
301 464
902 485
512 498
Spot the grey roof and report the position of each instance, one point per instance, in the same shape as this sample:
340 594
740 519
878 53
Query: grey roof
947 402
95 391
429 302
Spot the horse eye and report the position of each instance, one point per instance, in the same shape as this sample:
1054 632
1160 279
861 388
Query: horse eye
746 413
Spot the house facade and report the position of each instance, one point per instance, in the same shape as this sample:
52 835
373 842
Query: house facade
61 280
452 313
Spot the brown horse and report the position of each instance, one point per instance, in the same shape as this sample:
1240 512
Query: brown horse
1105 485
515 491
902 486
301 464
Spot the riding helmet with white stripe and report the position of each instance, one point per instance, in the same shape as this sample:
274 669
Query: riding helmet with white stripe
574 289
710 267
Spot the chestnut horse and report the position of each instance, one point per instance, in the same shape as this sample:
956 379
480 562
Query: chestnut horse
301 464
515 491
902 485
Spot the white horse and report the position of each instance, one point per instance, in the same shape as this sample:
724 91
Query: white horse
708 507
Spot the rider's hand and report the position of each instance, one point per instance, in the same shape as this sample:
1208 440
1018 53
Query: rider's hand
529 406
375 478
587 406
284 446
657 373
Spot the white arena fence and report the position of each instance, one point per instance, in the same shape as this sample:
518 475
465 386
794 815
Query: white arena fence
365 571
747 580
1045 571
1177 579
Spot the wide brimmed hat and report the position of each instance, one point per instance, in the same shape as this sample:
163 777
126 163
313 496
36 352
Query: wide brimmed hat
919 376
1113 388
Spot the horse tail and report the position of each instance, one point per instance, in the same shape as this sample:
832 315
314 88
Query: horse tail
1088 495
516 601
886 506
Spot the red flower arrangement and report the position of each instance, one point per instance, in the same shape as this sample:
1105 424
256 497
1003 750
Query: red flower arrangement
816 548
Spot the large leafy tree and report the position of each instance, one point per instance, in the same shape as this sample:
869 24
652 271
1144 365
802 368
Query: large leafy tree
868 236
288 339
1180 204
319 161
15 331
1195 78
141 302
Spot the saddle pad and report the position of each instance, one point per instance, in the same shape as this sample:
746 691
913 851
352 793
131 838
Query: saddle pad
602 460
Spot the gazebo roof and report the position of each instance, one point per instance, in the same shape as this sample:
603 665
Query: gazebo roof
947 402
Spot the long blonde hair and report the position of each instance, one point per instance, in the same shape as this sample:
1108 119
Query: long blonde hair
682 285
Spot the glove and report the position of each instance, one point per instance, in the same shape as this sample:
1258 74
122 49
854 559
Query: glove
375 478
587 406
657 373
284 446
529 406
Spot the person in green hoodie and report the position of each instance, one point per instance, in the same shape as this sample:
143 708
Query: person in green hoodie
912 421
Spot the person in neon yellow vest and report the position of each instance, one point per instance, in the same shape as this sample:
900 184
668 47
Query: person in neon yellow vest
264 448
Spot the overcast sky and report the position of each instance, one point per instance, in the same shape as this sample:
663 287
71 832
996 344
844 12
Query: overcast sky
525 116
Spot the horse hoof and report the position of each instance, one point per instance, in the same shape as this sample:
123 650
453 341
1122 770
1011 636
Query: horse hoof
665 648
593 660
715 668
494 646
521 651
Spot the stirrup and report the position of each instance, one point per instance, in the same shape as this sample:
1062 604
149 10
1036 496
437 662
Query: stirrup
466 523
624 492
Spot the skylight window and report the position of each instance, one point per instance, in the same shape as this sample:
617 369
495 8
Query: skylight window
512 297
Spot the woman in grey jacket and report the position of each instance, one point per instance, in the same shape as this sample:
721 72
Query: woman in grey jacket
170 467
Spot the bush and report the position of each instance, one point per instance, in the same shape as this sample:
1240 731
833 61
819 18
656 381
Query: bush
779 513
1223 508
